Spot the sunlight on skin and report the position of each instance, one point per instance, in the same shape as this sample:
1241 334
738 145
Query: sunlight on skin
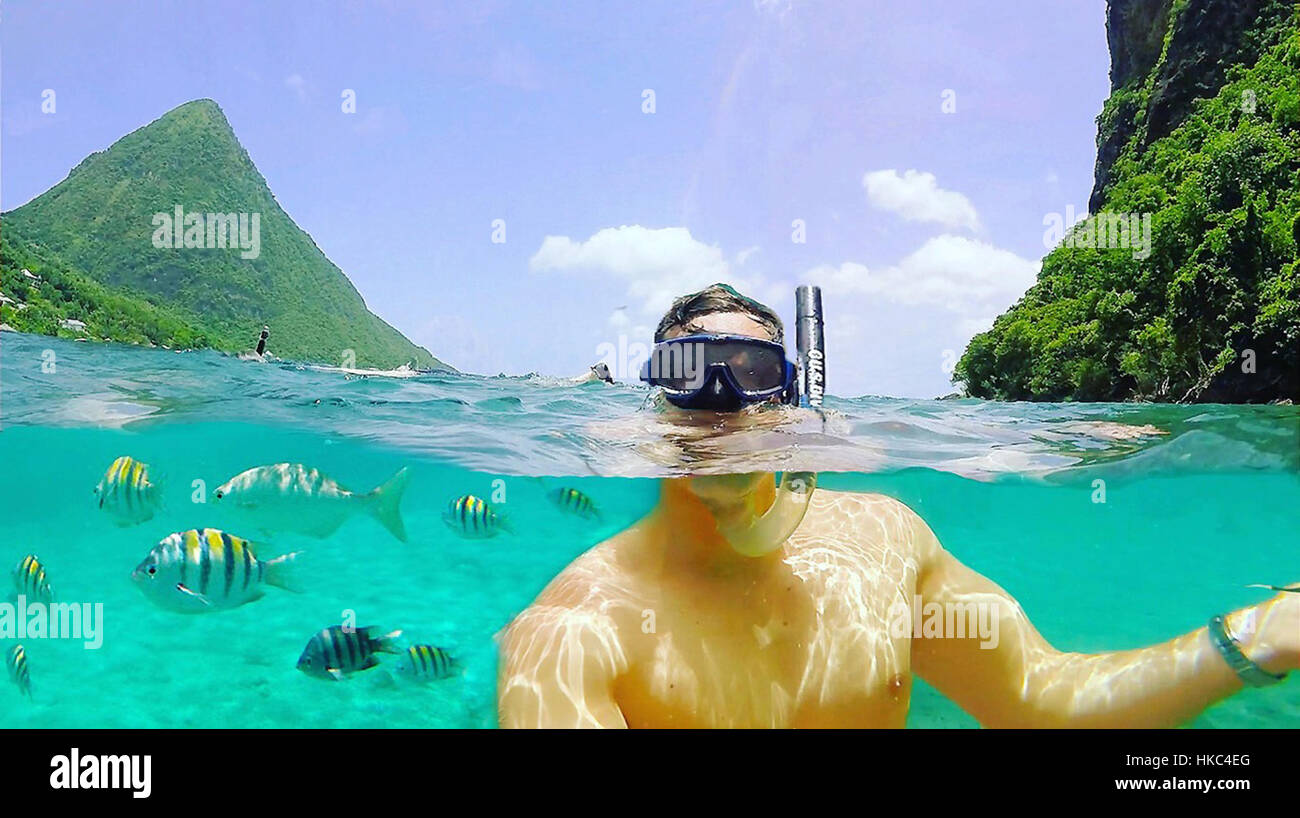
801 638
1025 682
664 625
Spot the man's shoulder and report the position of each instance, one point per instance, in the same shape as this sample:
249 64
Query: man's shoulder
861 501
858 514
590 581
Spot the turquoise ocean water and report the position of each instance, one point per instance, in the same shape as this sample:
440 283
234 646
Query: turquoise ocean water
1200 502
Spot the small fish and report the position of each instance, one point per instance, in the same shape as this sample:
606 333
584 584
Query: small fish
16 661
293 497
473 518
126 492
337 651
203 570
572 501
31 581
425 663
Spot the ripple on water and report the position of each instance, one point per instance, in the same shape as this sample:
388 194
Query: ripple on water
551 425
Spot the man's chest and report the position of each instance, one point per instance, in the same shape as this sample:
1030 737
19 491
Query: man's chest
825 644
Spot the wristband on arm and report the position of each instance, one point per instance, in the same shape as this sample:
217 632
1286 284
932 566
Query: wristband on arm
1246 670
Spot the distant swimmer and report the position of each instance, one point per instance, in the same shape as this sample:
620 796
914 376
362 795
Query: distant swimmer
258 354
596 372
293 497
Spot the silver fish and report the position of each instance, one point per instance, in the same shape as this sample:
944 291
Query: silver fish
293 497
203 570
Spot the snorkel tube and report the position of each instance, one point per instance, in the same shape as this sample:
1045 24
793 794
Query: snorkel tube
762 534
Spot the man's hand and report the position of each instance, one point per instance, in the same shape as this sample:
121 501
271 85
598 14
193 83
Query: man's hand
1270 632
1023 681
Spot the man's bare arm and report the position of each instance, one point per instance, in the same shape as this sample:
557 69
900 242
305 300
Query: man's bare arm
1024 682
557 669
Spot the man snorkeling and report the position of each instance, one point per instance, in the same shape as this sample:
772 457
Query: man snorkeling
598 371
737 603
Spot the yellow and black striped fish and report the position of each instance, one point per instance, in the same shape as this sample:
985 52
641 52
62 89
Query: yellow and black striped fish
16 661
31 581
572 501
425 663
203 570
473 518
336 651
126 492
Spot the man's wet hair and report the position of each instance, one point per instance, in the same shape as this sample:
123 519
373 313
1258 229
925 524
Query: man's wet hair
718 298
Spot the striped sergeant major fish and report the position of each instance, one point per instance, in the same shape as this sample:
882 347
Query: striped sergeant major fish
203 570
16 661
126 492
294 497
572 501
425 663
474 518
31 581
337 651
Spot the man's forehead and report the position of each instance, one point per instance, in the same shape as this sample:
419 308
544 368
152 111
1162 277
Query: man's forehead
722 323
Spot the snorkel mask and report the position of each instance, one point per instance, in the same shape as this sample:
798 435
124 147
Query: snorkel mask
720 372
727 372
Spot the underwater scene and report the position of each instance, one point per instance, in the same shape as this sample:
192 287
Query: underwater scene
1114 525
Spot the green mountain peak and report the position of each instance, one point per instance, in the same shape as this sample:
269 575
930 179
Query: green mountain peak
176 215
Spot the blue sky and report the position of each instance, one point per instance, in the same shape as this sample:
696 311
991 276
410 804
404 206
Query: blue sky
915 147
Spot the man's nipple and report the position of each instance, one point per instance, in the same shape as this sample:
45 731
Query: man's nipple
898 686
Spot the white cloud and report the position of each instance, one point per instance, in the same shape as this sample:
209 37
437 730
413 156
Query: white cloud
645 268
655 265
917 197
956 273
